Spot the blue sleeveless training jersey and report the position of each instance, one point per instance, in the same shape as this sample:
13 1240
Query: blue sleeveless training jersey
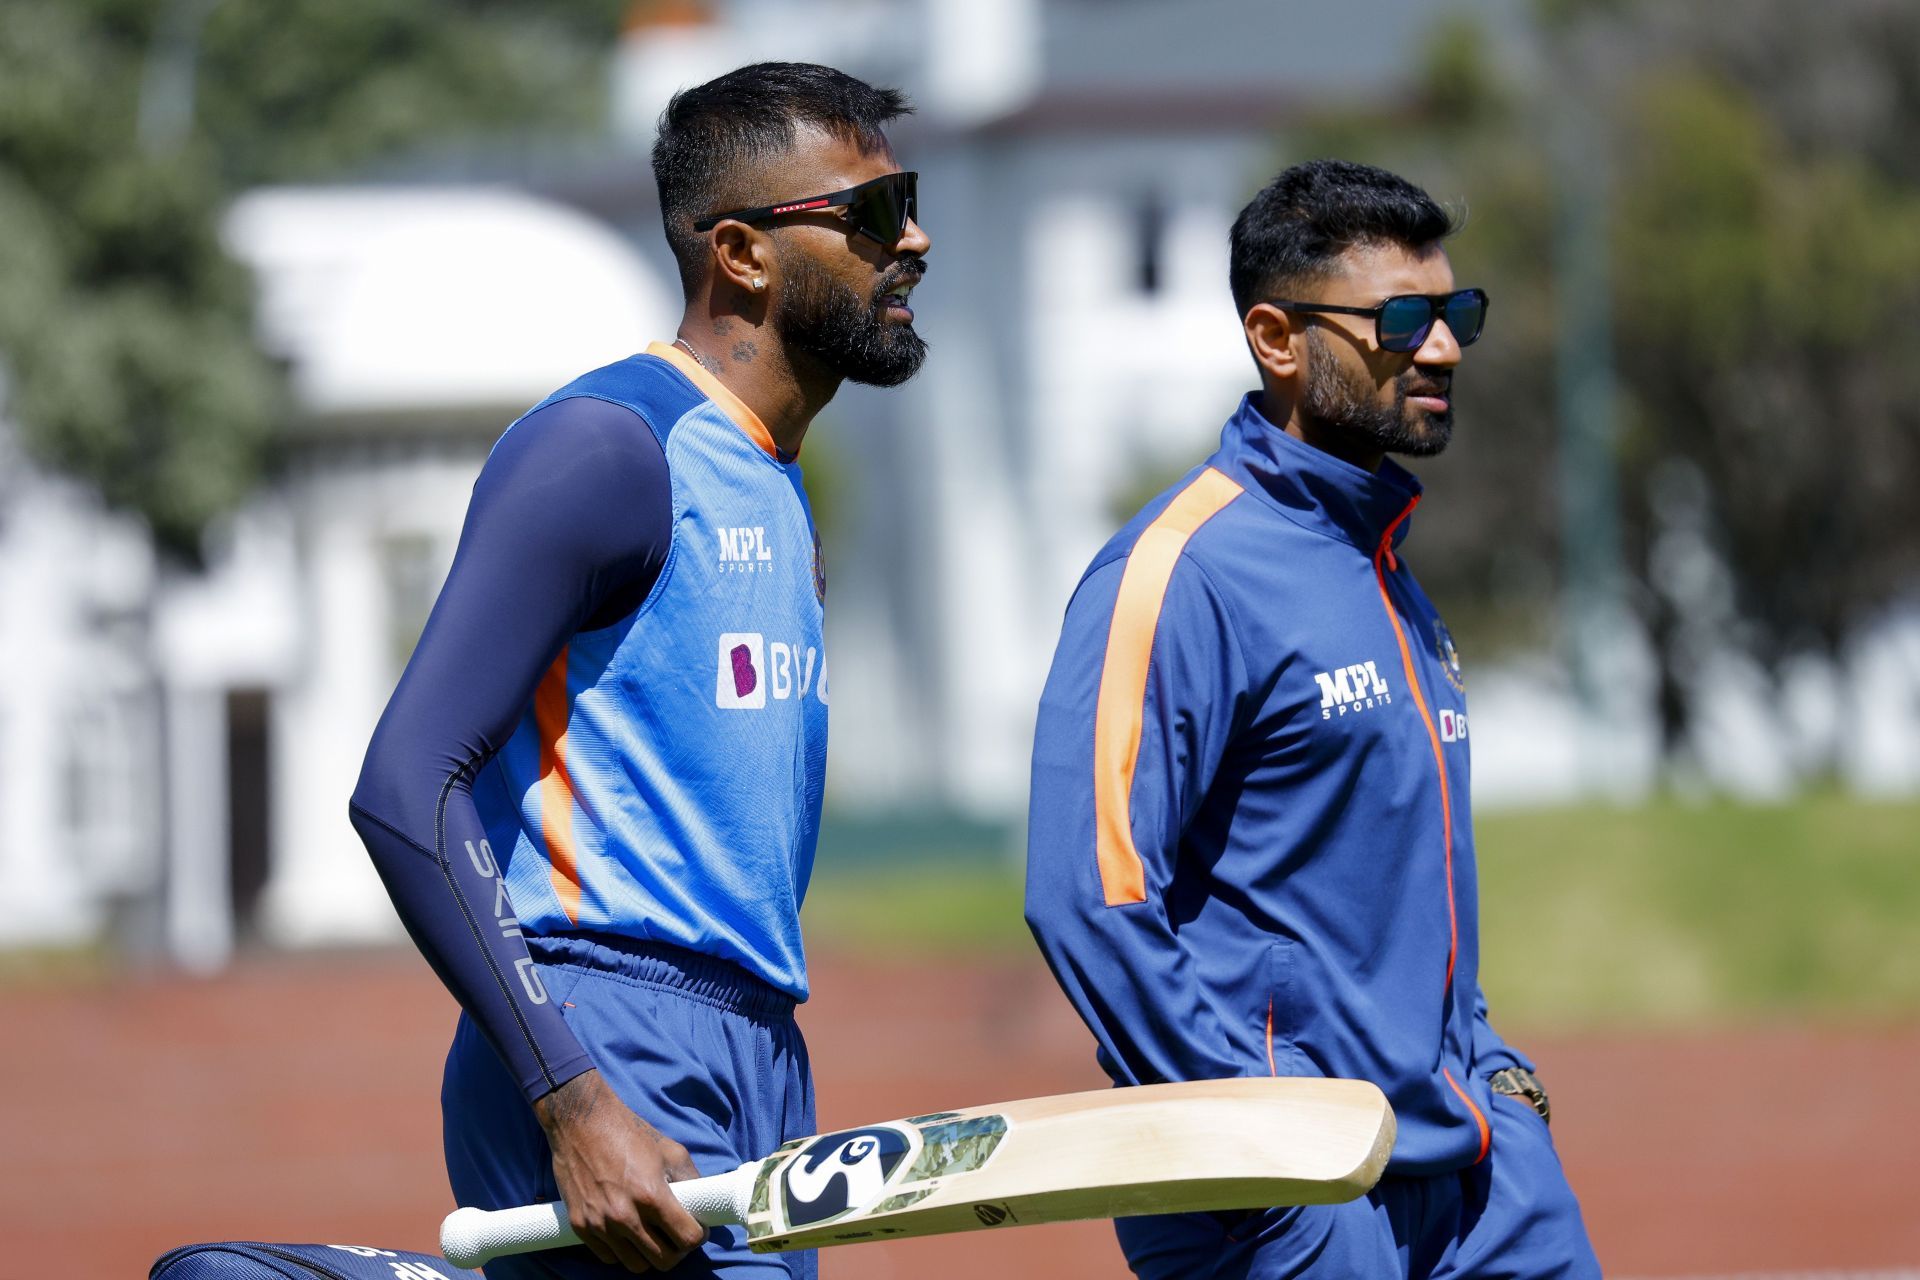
665 783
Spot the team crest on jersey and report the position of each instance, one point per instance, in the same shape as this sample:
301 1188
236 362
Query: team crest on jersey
1448 655
819 570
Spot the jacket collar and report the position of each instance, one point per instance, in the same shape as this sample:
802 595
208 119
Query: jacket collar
1314 488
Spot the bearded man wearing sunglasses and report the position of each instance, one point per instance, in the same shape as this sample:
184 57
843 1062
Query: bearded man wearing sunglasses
1250 847
595 794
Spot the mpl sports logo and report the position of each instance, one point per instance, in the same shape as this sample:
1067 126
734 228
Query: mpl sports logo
751 668
744 549
1354 688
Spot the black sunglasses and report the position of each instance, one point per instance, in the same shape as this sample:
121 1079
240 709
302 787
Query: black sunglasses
880 209
1402 322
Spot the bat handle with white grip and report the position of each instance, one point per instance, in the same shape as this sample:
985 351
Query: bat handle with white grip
475 1237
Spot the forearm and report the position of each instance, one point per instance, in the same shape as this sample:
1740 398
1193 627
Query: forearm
1138 995
455 906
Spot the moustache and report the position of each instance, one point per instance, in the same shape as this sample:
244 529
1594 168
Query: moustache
909 268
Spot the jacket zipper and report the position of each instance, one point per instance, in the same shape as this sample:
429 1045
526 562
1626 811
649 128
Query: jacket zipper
1384 562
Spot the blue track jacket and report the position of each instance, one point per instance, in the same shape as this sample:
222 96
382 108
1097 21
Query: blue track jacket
1250 849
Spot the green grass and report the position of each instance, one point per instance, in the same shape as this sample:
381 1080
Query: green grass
68 966
1670 914
1676 913
938 907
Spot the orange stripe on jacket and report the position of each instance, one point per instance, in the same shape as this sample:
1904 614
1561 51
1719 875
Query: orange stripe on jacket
1123 678
551 709
1385 553
1383 558
1486 1134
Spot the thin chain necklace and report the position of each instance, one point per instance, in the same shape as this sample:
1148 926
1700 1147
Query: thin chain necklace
687 347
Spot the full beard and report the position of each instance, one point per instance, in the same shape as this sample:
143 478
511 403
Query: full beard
822 320
1344 401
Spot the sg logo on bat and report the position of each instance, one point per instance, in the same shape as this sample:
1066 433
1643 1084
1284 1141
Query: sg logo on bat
839 1173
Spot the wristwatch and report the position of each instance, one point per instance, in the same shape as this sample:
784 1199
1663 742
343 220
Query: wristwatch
1518 1082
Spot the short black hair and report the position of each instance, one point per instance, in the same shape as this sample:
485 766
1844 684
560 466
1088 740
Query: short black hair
1291 233
712 134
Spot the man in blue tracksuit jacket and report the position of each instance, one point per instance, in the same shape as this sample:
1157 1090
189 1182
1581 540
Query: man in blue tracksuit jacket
1251 849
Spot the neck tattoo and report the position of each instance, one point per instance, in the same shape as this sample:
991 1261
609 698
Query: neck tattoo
687 347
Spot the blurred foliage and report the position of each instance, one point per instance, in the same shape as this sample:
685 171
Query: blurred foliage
123 327
1485 544
1764 229
1759 294
127 125
1766 242
347 81
1456 81
1733 911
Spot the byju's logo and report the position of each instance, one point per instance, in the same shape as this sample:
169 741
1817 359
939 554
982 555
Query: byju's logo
1355 688
743 661
750 668
743 549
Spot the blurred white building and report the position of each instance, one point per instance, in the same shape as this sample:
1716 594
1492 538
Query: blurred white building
79 745
1081 162
176 753
178 750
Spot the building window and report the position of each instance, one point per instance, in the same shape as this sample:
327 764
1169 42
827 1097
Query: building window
100 787
1150 237
414 570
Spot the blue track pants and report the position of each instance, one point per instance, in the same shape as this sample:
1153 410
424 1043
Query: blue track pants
704 1052
1510 1217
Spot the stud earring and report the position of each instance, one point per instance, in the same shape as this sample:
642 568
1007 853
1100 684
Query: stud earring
759 283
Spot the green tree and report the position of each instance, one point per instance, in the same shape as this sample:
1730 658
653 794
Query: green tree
1764 229
1486 546
1761 289
126 126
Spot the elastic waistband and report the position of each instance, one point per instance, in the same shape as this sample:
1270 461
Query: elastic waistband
657 964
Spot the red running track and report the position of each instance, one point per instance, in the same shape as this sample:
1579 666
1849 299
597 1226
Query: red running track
296 1099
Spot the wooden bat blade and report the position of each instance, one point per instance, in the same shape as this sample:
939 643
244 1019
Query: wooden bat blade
1169 1148
1173 1148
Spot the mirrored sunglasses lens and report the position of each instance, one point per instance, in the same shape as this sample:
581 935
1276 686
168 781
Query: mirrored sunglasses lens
1466 316
1404 323
882 210
906 201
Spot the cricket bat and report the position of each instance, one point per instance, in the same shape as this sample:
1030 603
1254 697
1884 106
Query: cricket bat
1163 1148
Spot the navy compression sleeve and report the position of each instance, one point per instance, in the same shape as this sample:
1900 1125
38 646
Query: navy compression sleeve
568 528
